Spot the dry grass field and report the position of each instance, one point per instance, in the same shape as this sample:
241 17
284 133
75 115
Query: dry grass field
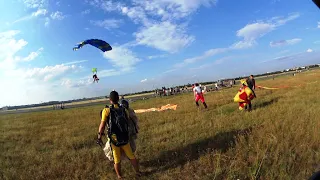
279 139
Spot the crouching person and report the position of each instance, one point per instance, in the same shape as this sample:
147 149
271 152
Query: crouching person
117 119
244 96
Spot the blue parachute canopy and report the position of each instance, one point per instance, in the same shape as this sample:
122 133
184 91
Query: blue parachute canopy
102 45
317 2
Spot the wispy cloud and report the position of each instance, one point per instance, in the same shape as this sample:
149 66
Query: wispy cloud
69 83
37 13
108 23
285 42
57 15
75 62
157 56
208 53
144 80
30 57
122 57
35 3
87 11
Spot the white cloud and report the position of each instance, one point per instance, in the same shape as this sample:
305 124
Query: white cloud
318 25
165 36
309 50
121 57
285 42
57 15
208 53
251 32
157 56
172 9
243 44
111 72
106 5
35 3
137 14
143 80
108 23
48 72
280 20
9 46
30 57
254 31
87 11
32 15
76 83
47 22
75 62
40 12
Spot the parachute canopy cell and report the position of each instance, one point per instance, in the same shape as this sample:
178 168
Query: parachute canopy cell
102 45
94 70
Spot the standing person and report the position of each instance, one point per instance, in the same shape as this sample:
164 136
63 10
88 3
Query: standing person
117 117
133 124
252 84
198 95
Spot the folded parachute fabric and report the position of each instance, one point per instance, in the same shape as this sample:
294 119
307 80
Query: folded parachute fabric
162 108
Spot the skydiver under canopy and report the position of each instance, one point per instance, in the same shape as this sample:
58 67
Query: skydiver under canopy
95 78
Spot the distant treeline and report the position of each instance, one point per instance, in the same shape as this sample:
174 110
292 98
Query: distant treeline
51 103
143 92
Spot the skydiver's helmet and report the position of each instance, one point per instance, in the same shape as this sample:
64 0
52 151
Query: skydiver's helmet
125 103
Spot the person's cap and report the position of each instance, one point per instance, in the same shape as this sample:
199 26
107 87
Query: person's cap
114 96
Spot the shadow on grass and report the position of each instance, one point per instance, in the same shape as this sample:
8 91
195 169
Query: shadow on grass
180 156
267 103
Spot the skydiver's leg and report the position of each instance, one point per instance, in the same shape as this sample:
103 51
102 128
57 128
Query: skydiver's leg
250 106
203 101
197 103
197 99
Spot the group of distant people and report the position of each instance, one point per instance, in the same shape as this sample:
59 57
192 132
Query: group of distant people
58 106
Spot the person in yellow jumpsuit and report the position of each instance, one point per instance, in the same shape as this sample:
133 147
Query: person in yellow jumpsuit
244 96
116 150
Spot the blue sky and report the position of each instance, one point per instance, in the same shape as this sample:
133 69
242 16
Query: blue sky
155 43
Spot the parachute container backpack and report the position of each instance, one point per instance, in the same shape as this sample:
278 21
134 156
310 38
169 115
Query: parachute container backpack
118 130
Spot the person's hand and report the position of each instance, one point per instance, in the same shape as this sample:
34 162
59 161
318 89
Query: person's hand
100 142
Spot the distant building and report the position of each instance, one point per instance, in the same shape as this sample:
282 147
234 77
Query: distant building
4 108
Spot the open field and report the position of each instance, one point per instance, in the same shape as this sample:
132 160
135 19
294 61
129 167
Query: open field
278 140
101 101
